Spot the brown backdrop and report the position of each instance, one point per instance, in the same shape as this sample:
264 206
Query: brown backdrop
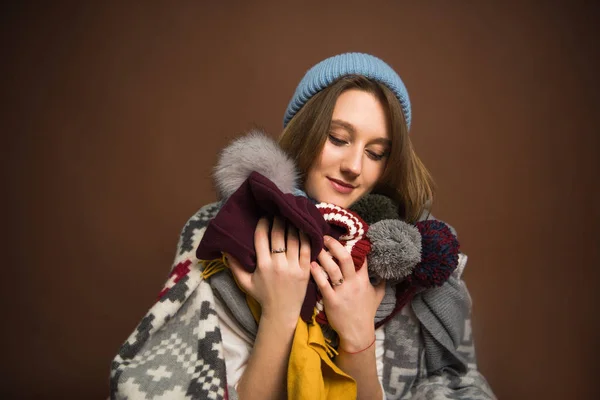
113 115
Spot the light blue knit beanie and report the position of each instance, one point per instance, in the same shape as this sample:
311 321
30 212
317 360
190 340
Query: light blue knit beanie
331 69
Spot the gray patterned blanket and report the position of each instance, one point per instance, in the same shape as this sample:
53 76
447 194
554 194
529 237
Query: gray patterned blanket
176 350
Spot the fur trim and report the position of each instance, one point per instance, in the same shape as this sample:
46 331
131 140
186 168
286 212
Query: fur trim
253 152
396 248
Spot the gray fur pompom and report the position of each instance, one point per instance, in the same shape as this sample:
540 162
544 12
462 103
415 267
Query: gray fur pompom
253 152
396 248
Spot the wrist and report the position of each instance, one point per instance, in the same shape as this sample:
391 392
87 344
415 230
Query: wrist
357 344
343 350
283 322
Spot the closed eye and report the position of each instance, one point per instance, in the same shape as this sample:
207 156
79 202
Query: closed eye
336 141
376 156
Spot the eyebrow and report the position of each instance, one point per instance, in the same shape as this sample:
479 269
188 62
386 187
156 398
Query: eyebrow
352 130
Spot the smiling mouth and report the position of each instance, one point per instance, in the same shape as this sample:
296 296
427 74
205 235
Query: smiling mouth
340 186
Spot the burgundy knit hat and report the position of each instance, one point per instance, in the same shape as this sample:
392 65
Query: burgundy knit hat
353 237
232 229
353 231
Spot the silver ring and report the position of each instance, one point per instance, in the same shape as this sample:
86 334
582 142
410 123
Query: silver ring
338 283
281 250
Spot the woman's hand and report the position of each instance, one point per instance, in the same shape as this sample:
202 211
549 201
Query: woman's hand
279 284
282 271
350 300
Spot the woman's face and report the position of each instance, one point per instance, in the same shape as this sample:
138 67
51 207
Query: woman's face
355 153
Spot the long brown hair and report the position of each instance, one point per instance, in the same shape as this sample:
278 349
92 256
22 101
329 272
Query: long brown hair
405 179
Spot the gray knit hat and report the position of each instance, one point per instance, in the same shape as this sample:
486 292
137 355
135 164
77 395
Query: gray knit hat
328 71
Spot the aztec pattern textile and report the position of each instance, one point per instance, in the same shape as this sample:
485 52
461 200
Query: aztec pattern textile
407 362
176 350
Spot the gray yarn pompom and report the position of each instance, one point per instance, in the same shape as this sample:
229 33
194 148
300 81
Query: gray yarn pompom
396 248
375 207
253 152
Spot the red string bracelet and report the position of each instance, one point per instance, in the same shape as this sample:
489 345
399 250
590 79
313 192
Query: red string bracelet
360 351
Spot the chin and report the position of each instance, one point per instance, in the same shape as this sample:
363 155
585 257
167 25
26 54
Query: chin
343 202
325 195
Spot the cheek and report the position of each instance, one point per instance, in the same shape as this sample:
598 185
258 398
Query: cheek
313 176
317 166
310 182
376 175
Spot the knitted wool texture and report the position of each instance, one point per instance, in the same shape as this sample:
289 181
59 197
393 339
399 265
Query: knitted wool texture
425 347
331 69
353 238
354 230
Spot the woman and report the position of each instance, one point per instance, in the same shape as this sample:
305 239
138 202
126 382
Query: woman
346 128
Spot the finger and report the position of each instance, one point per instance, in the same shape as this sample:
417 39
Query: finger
243 277
380 291
321 280
344 258
363 271
292 244
261 242
278 235
304 250
330 267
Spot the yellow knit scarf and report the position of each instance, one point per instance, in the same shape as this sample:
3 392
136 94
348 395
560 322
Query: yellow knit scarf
311 374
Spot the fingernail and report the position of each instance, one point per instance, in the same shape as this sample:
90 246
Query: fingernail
326 238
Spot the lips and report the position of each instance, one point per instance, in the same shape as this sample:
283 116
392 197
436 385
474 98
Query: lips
341 186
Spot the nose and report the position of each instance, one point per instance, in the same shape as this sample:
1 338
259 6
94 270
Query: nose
352 163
